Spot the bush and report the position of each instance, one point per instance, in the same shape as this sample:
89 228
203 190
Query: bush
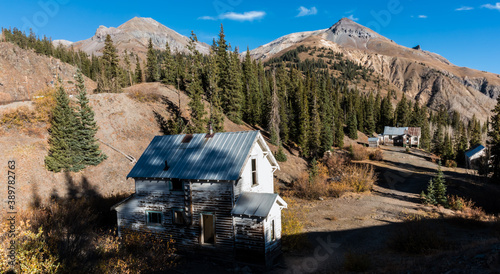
358 152
144 97
292 225
376 155
450 163
280 155
20 117
310 185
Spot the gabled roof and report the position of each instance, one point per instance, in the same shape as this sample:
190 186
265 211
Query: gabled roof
414 131
476 149
373 139
395 130
197 157
253 204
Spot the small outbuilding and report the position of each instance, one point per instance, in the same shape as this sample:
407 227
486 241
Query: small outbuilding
473 156
373 142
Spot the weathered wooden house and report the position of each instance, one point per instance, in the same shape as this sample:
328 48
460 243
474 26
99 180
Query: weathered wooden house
209 192
402 136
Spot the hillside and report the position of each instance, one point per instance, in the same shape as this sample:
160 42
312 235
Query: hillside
126 122
421 75
23 73
134 36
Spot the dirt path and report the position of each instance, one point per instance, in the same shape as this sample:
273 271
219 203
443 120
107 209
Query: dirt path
364 223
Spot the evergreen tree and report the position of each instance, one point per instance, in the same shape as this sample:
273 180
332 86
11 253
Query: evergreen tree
448 151
253 97
138 71
402 113
275 118
475 132
437 140
63 126
303 119
352 125
494 142
461 145
128 65
339 122
152 74
108 79
195 89
87 151
440 188
386 114
425 139
213 93
169 69
370 118
315 127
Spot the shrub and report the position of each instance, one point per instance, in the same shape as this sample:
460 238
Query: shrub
311 185
450 163
292 225
144 97
359 177
44 102
20 117
376 155
358 152
280 155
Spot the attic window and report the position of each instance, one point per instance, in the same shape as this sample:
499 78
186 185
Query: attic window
187 138
254 172
175 185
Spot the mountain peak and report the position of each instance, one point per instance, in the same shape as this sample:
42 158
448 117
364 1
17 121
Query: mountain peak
139 23
346 32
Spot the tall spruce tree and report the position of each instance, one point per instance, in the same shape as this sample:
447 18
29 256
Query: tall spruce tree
195 89
87 152
138 71
62 143
108 79
152 73
494 142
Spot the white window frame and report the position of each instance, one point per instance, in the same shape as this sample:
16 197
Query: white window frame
255 181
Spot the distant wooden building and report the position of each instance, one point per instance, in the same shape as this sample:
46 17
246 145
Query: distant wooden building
210 192
473 156
402 136
373 142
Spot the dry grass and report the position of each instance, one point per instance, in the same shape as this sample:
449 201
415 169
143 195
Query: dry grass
376 155
292 225
359 152
336 176
144 97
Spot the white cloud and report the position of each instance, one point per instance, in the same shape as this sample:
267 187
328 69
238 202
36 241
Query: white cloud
422 16
353 18
303 11
207 18
464 8
492 7
246 16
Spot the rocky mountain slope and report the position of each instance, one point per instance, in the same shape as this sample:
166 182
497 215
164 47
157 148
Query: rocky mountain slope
134 36
421 75
23 73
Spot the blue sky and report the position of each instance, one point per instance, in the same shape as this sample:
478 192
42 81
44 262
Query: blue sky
465 32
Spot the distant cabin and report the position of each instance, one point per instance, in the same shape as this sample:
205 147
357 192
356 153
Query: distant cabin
402 136
373 142
473 156
213 193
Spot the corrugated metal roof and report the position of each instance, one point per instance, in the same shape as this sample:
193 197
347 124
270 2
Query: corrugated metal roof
253 204
473 151
218 158
395 130
414 131
373 139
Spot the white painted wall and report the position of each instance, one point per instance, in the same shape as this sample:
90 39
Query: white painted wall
264 173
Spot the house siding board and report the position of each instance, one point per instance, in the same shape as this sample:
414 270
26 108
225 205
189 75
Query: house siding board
208 197
273 247
249 240
215 158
